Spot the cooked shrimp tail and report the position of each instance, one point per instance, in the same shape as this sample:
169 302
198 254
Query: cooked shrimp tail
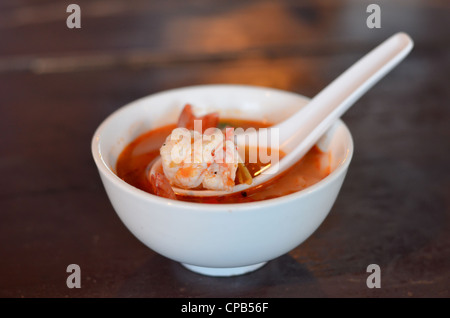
187 118
161 186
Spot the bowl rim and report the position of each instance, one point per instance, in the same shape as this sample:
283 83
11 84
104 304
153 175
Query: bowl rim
112 176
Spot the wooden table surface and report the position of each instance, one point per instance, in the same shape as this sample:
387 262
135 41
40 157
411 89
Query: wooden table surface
57 85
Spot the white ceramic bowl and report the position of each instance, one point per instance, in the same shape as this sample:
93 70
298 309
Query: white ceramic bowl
217 239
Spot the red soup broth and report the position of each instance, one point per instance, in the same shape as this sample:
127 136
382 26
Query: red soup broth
135 160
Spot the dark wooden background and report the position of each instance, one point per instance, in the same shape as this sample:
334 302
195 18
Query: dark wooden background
58 84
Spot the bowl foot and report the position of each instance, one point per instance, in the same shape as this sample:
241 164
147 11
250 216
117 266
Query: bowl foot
224 272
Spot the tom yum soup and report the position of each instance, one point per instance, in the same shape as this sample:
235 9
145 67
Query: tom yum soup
200 153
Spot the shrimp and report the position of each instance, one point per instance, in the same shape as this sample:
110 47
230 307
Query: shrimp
193 160
187 118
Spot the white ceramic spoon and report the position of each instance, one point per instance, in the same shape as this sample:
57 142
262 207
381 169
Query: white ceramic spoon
302 130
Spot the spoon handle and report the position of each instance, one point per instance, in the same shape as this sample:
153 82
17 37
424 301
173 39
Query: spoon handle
325 108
